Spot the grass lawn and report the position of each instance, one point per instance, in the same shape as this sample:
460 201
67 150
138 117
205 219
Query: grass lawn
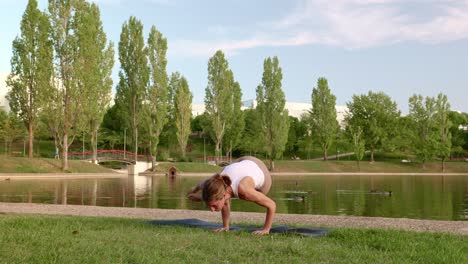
378 166
54 239
41 165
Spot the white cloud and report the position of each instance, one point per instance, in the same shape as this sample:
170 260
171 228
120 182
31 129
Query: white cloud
346 23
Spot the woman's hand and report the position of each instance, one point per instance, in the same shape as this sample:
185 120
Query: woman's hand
261 232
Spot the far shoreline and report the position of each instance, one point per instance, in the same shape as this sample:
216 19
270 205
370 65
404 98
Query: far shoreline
29 176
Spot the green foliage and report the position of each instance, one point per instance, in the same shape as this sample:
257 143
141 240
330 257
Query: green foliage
94 63
323 115
31 69
358 144
377 115
458 135
273 116
443 124
183 113
65 106
168 135
219 97
252 141
156 106
422 113
134 75
236 123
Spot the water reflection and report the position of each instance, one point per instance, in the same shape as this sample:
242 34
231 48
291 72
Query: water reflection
432 197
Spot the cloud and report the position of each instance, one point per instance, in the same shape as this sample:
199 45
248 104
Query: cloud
350 24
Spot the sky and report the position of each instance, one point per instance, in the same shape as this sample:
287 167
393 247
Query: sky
399 47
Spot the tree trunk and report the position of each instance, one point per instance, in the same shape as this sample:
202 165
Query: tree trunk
372 154
443 164
31 139
217 152
93 146
325 157
272 164
65 152
135 131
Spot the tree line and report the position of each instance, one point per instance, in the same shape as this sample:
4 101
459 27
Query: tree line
61 82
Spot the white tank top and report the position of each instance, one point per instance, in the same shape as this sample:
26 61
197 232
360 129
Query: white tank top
239 170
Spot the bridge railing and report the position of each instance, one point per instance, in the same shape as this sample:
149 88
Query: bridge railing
113 154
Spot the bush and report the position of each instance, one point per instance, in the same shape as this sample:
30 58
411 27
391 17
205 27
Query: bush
162 155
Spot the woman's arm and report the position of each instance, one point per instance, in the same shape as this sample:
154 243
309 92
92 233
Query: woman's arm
225 213
195 193
247 192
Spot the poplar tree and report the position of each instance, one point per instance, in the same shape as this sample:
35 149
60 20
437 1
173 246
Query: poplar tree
270 106
156 114
323 115
443 125
218 98
236 123
183 113
69 100
422 113
94 63
133 75
30 79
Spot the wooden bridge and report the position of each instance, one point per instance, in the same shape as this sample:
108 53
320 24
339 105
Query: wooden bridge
109 155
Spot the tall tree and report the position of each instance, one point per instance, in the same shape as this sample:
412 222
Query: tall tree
358 144
183 114
69 105
94 63
422 114
218 98
30 79
270 105
157 90
133 75
168 134
251 140
323 115
377 116
443 125
235 124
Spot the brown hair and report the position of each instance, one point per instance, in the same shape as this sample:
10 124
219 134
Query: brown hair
214 187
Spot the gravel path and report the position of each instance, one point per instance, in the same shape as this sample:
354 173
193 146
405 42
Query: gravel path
453 227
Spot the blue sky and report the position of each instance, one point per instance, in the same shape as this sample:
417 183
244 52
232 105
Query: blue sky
395 46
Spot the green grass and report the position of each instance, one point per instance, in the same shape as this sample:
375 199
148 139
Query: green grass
36 165
53 239
378 166
163 167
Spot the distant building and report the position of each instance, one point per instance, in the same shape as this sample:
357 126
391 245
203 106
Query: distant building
295 109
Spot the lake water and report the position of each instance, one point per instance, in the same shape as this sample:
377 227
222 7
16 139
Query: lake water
420 197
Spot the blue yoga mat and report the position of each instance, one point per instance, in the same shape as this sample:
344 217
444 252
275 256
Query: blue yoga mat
283 229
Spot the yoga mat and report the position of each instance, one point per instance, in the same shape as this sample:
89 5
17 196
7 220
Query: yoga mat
283 229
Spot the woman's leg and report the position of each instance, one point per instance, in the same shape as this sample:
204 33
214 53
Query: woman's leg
267 181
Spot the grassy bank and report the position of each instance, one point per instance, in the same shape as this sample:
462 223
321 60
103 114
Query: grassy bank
40 165
378 166
47 239
298 166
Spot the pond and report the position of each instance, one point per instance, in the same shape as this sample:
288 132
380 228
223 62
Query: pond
419 197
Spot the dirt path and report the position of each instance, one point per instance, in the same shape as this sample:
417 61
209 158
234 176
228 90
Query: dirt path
453 227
